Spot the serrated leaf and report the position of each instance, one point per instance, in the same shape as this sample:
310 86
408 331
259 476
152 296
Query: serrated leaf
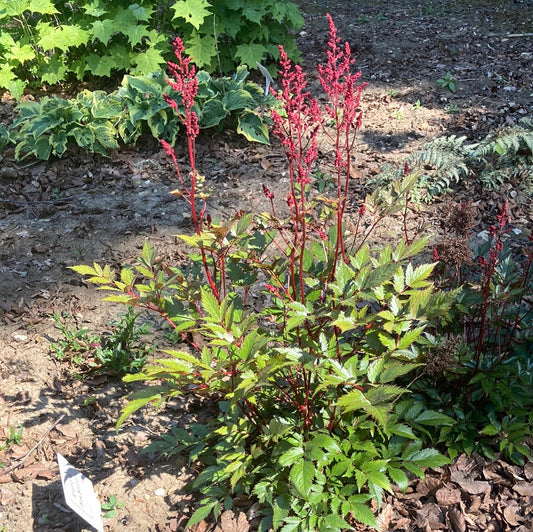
192 11
301 476
490 430
326 442
427 458
291 456
398 477
374 369
100 66
210 304
141 12
335 521
15 8
416 278
250 54
20 52
137 33
147 62
434 419
45 7
409 337
140 399
201 513
378 479
394 369
363 514
53 69
402 430
354 400
202 48
64 37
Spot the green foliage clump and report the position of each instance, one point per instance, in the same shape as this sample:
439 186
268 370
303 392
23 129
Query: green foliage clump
481 367
48 41
220 34
120 351
97 121
501 157
306 334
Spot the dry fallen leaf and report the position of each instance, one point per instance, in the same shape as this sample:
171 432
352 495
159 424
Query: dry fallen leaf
524 488
385 517
447 496
511 515
474 487
456 520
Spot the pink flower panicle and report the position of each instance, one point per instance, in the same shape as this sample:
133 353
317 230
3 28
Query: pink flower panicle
186 84
436 257
298 129
339 84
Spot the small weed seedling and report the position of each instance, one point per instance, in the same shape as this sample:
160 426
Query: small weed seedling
451 109
119 351
448 82
111 506
14 438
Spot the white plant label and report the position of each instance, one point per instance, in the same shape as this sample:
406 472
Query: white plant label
79 494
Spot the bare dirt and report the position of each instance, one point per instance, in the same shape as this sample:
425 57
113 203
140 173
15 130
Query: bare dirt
84 208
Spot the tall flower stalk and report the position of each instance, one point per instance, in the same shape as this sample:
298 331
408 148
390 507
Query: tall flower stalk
184 81
298 126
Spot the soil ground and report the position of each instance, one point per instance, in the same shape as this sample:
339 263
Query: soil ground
84 208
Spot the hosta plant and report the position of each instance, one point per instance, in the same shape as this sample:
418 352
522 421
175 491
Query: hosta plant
296 328
97 121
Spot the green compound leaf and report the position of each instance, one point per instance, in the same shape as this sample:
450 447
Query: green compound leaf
193 11
363 514
301 475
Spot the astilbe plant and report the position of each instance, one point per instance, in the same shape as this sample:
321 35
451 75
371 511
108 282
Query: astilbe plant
307 387
481 371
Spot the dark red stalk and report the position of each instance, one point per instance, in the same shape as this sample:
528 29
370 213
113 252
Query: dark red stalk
184 81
